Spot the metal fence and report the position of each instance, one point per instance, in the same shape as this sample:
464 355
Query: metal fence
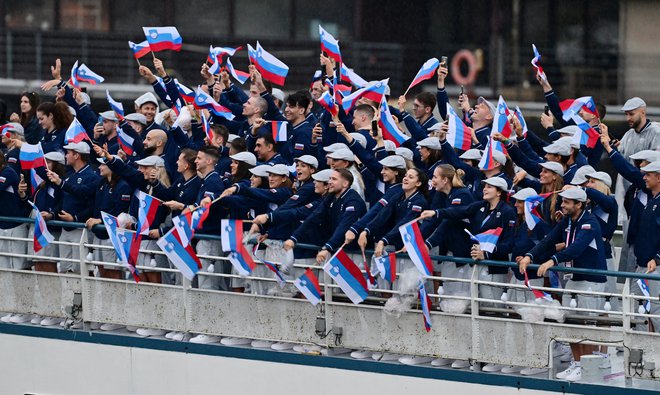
480 334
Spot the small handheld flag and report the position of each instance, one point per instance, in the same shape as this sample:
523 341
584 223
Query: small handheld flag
348 276
425 301
279 130
163 38
328 102
35 181
425 72
85 74
329 45
373 92
388 126
271 68
536 62
240 76
308 285
386 265
458 134
587 136
538 294
501 121
139 49
206 101
348 75
206 126
31 156
125 141
416 247
522 121
232 241
183 258
585 103
76 133
125 244
487 161
486 240
42 236
116 106
73 79
531 209
644 287
147 209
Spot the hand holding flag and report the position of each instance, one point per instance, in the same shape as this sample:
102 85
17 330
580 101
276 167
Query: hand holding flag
536 62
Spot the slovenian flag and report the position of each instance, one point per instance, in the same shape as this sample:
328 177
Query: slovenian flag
328 102
538 294
126 245
487 161
585 103
125 141
35 181
531 209
271 68
348 75
458 134
216 54
329 45
644 287
388 127
522 121
85 74
42 236
139 49
206 126
425 301
501 121
75 133
73 79
240 76
279 130
116 106
425 72
31 156
162 38
147 208
386 265
188 223
232 240
186 93
183 258
536 62
416 247
373 92
587 136
205 101
348 276
487 240
309 286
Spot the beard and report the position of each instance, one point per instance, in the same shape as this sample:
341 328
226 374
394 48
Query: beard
149 151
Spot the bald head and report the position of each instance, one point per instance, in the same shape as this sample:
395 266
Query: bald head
154 143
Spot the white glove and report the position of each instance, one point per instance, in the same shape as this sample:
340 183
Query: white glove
211 268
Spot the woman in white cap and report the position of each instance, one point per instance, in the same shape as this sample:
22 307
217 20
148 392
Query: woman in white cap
550 181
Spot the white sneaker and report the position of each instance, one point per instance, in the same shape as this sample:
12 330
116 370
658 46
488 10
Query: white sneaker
533 371
95 326
181 336
36 320
361 354
205 339
560 349
132 328
442 362
282 346
146 332
235 341
261 343
21 318
512 369
460 364
576 375
570 370
111 327
414 360
169 335
50 321
7 318
492 367
385 356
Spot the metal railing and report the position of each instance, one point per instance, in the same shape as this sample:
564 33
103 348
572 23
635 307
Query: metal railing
487 331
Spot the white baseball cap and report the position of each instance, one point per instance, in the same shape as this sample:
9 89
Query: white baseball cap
109 115
246 157
601 176
81 147
405 153
574 194
308 159
153 160
431 143
524 194
580 175
136 117
146 98
55 156
334 147
278 169
393 162
646 155
360 139
261 170
554 167
342 154
653 167
633 104
322 176
471 154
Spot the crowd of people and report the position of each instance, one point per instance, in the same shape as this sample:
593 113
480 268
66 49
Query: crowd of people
335 183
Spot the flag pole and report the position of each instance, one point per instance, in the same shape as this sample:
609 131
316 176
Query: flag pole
153 54
138 62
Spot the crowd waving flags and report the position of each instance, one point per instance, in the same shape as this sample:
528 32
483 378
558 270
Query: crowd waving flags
271 68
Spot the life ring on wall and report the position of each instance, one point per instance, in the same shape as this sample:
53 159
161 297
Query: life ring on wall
468 57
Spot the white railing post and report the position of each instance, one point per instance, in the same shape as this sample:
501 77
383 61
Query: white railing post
474 312
186 285
84 274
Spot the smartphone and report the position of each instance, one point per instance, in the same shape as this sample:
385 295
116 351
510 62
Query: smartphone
319 136
374 128
462 90
443 61
100 121
546 110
